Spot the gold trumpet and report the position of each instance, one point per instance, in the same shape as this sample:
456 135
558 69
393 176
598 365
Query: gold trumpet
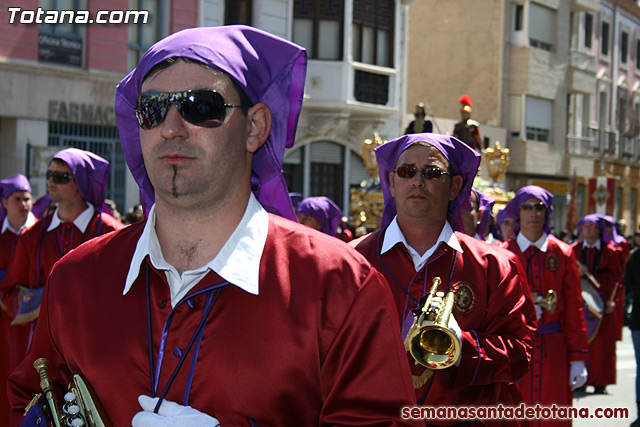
80 407
547 302
430 340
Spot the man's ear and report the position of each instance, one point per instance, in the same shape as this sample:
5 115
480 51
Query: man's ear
258 126
456 185
5 203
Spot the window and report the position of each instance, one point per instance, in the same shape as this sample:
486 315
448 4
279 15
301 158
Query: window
604 39
542 27
538 119
588 30
371 87
60 43
373 32
624 47
238 12
65 27
142 36
317 25
517 19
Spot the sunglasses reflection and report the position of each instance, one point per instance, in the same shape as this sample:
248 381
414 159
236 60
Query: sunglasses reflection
58 177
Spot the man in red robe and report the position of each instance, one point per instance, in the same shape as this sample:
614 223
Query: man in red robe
77 182
15 217
214 310
561 346
598 257
425 178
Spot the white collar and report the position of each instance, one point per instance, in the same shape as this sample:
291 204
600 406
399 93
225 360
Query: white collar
31 219
542 243
82 221
238 261
596 245
393 235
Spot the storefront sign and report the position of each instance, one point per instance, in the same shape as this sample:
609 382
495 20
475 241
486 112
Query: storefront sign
62 111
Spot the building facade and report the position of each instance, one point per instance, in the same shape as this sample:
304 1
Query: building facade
59 79
561 79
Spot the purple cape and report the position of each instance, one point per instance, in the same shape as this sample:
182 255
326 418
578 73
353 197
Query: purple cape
525 193
485 204
464 161
324 210
599 222
268 68
10 185
91 173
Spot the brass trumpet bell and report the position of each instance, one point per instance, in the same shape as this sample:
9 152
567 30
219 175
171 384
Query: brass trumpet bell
547 302
430 341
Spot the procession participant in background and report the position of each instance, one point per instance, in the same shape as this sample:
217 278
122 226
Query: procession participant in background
619 242
320 213
477 214
225 313
15 217
467 130
421 124
506 224
598 258
425 178
77 182
561 346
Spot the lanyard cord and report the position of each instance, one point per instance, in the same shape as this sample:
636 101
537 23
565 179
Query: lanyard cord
196 338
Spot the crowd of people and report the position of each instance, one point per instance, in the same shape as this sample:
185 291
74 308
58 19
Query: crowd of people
227 300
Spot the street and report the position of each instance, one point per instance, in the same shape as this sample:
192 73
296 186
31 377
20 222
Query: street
621 395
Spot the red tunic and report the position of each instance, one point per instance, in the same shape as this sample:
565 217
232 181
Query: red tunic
624 249
493 310
607 270
22 269
562 336
316 346
47 247
12 338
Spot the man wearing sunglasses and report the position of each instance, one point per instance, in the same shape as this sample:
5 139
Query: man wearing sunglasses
425 178
77 182
561 346
599 257
15 217
214 310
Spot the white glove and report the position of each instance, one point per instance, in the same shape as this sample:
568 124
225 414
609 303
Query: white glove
453 325
170 414
538 311
578 374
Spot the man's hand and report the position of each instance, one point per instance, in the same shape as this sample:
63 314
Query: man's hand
170 414
578 374
611 306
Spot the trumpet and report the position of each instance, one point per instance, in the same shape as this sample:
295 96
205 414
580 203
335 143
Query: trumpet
547 302
430 341
80 407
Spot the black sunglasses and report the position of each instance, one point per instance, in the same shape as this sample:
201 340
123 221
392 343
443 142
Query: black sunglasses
200 107
59 177
528 207
430 172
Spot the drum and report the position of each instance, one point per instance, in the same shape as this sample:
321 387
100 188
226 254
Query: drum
593 308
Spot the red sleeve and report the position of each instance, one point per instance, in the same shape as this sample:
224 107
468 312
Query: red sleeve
383 384
17 274
500 349
573 324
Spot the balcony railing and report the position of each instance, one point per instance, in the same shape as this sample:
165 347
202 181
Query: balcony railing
606 144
